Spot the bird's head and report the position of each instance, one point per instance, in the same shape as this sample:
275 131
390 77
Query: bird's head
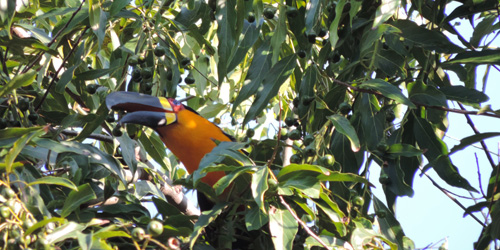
143 109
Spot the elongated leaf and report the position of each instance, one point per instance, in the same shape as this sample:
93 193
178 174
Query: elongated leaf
332 210
463 94
406 150
390 227
283 227
18 146
343 177
261 63
225 181
437 154
467 141
54 180
334 37
477 57
93 74
396 183
259 186
279 35
343 126
18 81
205 218
312 14
77 198
425 94
292 168
128 151
250 34
226 16
65 78
385 11
117 6
388 90
256 218
66 231
271 84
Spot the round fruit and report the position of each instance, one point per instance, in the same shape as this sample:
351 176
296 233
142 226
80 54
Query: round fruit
189 80
292 12
335 57
296 102
301 53
155 228
148 86
284 134
251 17
136 74
28 223
146 73
9 193
117 131
185 62
294 134
23 104
141 60
133 60
295 158
322 32
250 133
138 234
310 151
328 160
307 100
308 139
311 38
358 201
268 13
5 212
217 120
345 108
289 121
160 51
384 179
3 123
33 117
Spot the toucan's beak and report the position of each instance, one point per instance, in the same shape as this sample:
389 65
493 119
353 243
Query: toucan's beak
142 109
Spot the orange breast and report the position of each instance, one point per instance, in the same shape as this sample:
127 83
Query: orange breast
190 138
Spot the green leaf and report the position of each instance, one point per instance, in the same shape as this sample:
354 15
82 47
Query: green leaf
117 6
495 220
342 177
44 222
279 35
467 141
155 148
225 181
66 231
271 84
396 184
312 14
127 146
261 63
249 34
388 90
293 168
205 218
328 240
477 57
93 74
65 78
406 150
332 210
343 126
259 185
54 180
20 80
255 218
334 37
385 11
77 198
226 16
437 154
20 143
390 227
309 185
463 94
283 227
425 38
425 94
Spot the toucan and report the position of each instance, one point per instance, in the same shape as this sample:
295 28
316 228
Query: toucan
188 135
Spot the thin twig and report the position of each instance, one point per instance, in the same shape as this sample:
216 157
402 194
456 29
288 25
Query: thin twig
303 224
60 68
452 198
54 38
99 137
483 144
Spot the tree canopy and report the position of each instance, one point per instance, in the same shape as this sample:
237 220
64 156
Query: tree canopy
319 93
